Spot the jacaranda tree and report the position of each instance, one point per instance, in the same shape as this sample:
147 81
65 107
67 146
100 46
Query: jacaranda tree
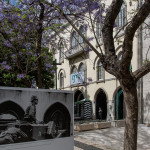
25 56
87 10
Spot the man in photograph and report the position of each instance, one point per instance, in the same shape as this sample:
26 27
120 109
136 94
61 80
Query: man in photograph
30 115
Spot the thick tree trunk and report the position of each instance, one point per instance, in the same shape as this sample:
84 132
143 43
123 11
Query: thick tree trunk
39 43
131 121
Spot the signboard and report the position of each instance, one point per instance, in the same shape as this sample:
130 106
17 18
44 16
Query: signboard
32 116
77 78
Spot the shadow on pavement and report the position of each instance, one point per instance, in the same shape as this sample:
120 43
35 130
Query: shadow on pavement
85 146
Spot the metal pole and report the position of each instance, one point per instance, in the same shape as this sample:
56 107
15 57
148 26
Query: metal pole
56 71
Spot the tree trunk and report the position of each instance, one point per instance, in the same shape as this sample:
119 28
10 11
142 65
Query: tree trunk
39 75
131 121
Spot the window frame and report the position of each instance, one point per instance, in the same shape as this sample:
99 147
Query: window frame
82 30
74 39
100 71
61 50
61 80
121 18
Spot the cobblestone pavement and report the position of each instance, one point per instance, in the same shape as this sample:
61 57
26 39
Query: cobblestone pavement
109 139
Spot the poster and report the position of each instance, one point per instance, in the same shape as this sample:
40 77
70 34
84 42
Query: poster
31 115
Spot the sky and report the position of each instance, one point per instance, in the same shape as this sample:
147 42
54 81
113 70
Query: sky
13 1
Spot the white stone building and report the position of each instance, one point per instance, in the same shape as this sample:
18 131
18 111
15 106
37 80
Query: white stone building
82 72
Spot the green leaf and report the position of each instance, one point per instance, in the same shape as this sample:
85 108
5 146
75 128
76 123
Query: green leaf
24 16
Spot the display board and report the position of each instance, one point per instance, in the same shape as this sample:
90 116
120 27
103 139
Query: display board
31 117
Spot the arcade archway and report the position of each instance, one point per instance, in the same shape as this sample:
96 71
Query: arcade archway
101 101
119 105
78 108
13 109
59 114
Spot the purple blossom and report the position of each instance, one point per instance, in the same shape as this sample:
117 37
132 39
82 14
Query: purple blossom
20 37
7 43
88 49
28 45
49 66
7 67
70 52
53 71
26 29
9 31
84 84
20 53
33 85
15 26
2 16
115 25
4 63
13 55
90 79
29 53
19 76
38 54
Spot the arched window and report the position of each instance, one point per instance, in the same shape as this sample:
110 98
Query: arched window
83 32
81 67
81 74
74 70
61 48
98 29
100 71
121 19
74 39
61 80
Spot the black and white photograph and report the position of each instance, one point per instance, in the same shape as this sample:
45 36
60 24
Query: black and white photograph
32 115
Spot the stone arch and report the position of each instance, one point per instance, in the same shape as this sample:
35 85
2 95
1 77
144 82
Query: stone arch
10 107
78 95
78 109
119 107
100 89
73 36
58 113
82 60
101 100
63 71
115 92
95 60
73 66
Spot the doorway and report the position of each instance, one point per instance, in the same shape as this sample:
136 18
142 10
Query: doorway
78 108
119 105
101 101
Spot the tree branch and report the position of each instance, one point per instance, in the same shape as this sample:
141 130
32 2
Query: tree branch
130 30
142 71
107 30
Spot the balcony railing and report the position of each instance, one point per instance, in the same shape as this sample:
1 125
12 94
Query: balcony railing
75 51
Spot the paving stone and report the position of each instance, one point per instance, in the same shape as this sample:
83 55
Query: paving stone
110 139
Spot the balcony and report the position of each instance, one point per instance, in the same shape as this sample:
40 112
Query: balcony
75 51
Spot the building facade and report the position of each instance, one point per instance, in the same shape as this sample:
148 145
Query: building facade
82 72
